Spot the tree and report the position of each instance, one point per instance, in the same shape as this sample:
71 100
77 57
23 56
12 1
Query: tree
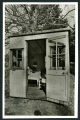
30 18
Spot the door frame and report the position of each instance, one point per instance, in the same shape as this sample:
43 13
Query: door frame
26 49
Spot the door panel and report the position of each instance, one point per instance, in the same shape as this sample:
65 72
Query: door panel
57 68
56 87
17 83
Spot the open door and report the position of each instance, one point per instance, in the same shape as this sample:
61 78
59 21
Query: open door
57 64
18 68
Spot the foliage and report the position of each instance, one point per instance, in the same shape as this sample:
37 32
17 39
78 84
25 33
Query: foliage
72 45
29 18
7 75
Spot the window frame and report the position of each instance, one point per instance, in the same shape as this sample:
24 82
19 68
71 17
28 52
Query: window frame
57 54
11 59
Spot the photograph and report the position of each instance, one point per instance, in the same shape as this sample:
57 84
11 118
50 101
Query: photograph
40 60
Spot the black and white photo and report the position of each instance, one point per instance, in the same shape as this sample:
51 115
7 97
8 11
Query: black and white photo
40 60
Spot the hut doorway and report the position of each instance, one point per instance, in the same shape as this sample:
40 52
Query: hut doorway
36 69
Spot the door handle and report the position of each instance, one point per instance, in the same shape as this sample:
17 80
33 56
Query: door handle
65 73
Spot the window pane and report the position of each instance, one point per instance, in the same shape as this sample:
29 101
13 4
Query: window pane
60 48
53 61
19 53
17 58
53 56
14 53
19 62
60 56
53 50
61 62
14 59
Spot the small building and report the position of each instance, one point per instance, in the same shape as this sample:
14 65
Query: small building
45 52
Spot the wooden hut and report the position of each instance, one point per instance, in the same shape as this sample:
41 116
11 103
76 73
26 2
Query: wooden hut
45 52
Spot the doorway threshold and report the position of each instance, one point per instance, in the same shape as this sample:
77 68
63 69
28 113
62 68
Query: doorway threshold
34 92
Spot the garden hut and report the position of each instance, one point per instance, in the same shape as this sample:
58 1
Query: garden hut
46 54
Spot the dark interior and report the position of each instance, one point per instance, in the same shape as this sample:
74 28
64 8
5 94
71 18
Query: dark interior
36 55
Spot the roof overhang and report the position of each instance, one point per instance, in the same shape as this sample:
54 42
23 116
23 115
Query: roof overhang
41 32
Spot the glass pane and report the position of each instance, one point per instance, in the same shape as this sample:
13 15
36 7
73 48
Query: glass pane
53 56
60 56
14 59
19 53
19 62
17 58
53 60
61 62
60 48
14 53
53 50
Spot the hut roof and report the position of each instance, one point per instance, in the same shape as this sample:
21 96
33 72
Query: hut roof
41 32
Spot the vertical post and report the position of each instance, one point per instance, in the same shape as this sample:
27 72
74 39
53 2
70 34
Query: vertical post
10 59
56 55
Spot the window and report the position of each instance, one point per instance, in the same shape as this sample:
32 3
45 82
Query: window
60 56
57 56
53 56
17 58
